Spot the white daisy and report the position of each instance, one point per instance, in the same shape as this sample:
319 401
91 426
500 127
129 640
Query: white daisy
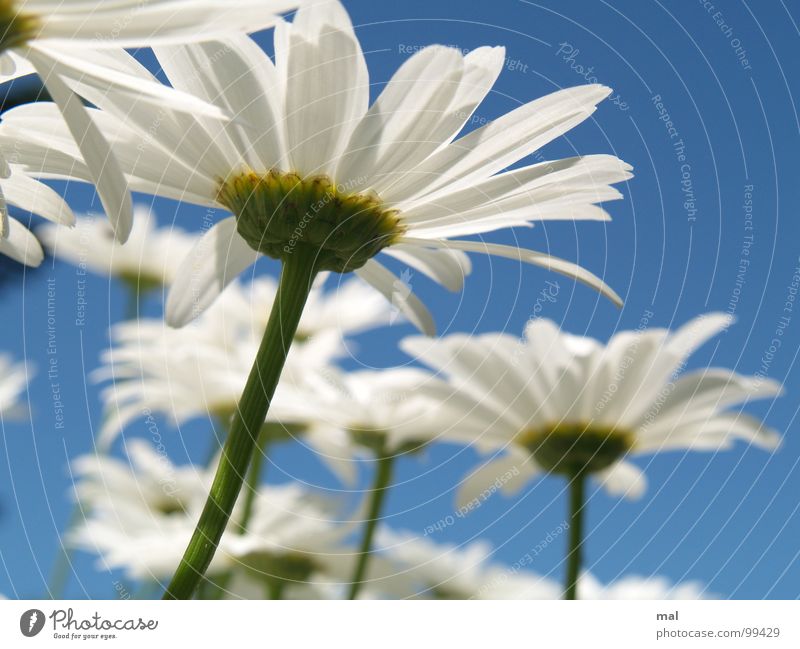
202 369
18 189
139 514
556 402
367 413
308 163
448 571
148 260
64 42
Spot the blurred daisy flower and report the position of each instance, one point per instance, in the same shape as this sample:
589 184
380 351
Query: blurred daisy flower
566 404
469 571
148 261
202 369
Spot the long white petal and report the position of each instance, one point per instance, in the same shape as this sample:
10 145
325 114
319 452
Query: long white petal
491 148
533 257
623 479
399 294
447 267
216 260
76 70
37 198
507 473
327 90
21 245
400 128
139 24
98 155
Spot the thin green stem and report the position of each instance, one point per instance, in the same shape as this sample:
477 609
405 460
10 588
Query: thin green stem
254 477
577 504
297 277
380 487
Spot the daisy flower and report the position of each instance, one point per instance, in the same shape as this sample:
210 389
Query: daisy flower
318 179
139 514
556 402
18 189
309 163
202 369
148 261
380 413
468 571
569 405
65 42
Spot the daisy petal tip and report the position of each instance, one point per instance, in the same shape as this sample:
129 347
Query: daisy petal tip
177 313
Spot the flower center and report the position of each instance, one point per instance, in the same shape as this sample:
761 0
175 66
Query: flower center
16 27
279 212
571 449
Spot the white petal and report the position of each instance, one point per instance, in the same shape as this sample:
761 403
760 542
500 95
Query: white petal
13 66
77 70
216 260
37 198
697 332
710 433
21 245
97 153
491 148
529 256
507 473
543 191
140 24
327 89
400 128
238 76
623 479
399 294
447 267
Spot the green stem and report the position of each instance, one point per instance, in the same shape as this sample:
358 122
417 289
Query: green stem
380 487
296 279
275 588
577 489
254 479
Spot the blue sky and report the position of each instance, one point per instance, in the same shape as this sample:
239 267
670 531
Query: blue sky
703 108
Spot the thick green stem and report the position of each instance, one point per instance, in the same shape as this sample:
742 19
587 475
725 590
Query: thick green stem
577 488
275 588
380 487
297 277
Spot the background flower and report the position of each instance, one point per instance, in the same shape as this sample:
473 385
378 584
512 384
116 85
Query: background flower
553 399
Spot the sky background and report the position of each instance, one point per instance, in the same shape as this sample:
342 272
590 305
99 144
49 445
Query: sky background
728 520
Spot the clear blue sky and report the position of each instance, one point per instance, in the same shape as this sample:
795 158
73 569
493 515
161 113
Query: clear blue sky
726 81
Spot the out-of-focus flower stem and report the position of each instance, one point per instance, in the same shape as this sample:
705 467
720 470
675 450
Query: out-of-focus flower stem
577 504
380 487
